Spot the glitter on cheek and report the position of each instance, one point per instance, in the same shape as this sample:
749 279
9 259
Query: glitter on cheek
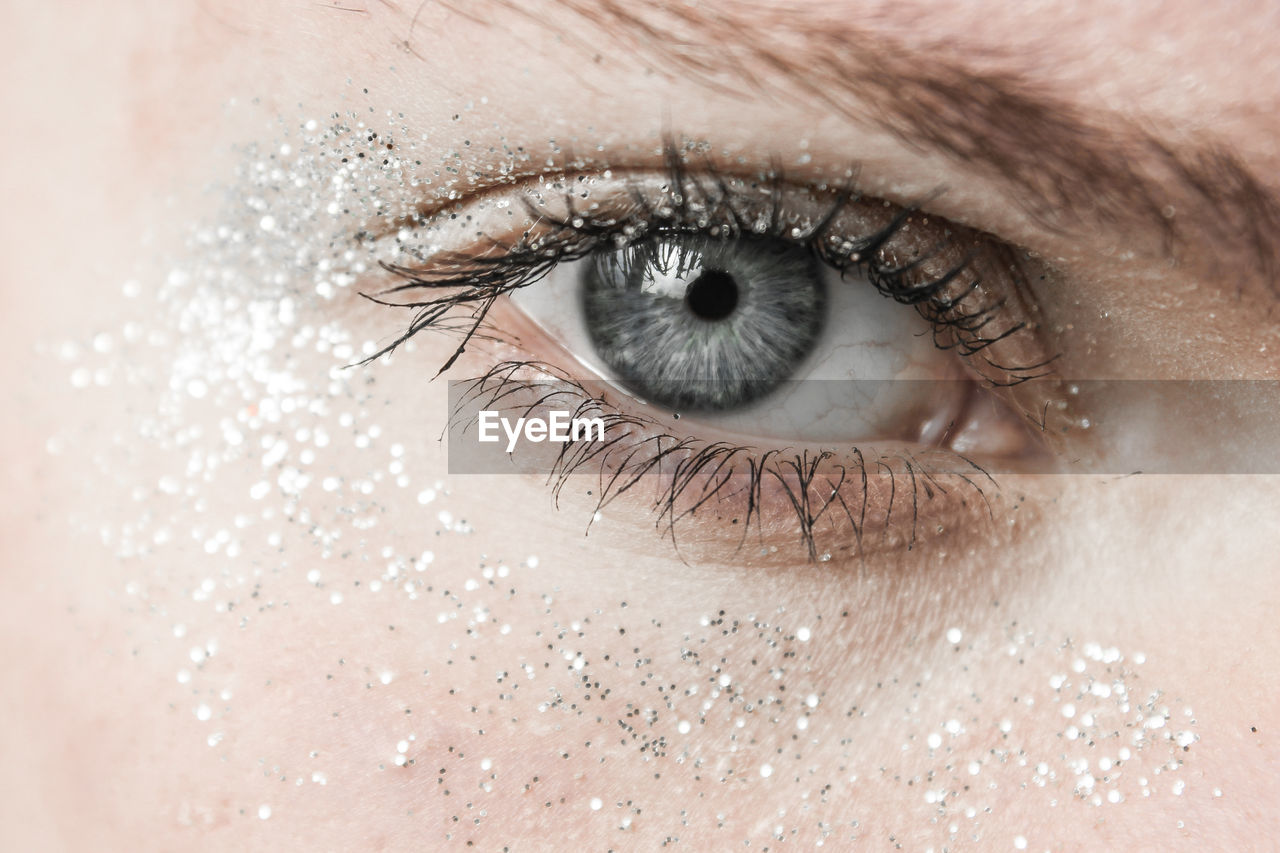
257 468
274 481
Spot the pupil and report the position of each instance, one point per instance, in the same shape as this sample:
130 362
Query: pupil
712 295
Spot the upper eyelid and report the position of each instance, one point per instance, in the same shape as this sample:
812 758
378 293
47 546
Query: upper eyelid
559 185
486 184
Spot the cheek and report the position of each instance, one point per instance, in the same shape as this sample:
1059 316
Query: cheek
302 615
584 687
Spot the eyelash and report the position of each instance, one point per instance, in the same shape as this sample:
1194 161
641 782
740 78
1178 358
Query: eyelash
706 202
697 471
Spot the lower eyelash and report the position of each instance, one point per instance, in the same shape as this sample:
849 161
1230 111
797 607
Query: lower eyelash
826 503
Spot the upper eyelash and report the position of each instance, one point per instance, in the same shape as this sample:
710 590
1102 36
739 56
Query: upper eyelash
691 201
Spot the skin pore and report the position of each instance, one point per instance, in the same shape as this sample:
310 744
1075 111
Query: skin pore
247 606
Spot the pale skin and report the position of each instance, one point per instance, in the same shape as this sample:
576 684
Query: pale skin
119 120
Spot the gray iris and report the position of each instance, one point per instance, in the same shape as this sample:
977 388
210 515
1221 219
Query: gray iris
699 323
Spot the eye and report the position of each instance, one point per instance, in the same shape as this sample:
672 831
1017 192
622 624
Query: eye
753 335
865 350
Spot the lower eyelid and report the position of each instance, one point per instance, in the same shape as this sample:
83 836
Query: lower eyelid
720 503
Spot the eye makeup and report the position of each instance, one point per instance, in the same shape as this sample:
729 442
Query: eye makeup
840 502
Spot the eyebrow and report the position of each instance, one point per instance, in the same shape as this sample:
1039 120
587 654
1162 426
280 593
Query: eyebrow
1066 166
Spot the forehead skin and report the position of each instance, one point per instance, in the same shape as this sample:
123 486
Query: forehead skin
120 118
